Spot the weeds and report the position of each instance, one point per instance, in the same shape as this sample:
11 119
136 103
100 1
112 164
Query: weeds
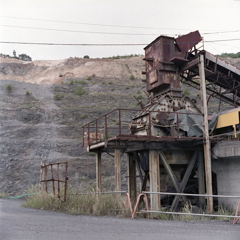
9 88
92 154
139 96
58 96
28 93
186 91
79 91
87 204
84 116
132 77
3 195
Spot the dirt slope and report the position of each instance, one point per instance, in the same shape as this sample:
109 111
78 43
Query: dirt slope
56 71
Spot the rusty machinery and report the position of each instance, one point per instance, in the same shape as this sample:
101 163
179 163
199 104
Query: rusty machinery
169 121
169 61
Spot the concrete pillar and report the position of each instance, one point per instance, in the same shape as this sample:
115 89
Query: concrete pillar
154 174
99 172
206 144
117 158
132 186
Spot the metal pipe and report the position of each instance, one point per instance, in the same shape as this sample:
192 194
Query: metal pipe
98 193
189 194
193 214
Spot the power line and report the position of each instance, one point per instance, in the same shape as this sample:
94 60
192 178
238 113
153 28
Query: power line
93 24
107 44
64 30
79 44
220 32
119 26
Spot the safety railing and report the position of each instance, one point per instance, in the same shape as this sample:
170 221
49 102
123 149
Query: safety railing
121 122
235 217
51 174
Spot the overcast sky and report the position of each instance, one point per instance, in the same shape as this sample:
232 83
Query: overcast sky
113 22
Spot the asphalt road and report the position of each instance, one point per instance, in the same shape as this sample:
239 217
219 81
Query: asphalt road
24 224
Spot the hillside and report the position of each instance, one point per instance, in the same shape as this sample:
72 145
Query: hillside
41 120
56 71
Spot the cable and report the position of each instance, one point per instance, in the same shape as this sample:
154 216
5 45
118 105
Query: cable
220 32
93 24
107 44
109 25
78 44
63 30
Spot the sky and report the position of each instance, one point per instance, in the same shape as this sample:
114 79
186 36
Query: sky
113 22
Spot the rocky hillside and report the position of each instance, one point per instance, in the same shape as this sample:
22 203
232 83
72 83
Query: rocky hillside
38 125
41 120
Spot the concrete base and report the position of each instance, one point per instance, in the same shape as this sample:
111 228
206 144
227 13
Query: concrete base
228 180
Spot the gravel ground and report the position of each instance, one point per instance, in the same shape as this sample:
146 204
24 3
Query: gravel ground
21 223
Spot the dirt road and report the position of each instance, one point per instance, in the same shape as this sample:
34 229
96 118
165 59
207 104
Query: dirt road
24 224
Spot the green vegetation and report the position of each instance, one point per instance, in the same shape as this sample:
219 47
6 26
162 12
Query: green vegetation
92 154
24 57
232 55
79 91
139 96
71 82
87 204
132 77
28 93
84 116
3 195
86 56
110 83
9 88
127 88
89 78
124 56
58 96
186 91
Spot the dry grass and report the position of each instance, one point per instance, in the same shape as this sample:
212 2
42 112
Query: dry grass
81 204
3 195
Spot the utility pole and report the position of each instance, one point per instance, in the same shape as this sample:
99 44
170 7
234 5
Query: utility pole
206 141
